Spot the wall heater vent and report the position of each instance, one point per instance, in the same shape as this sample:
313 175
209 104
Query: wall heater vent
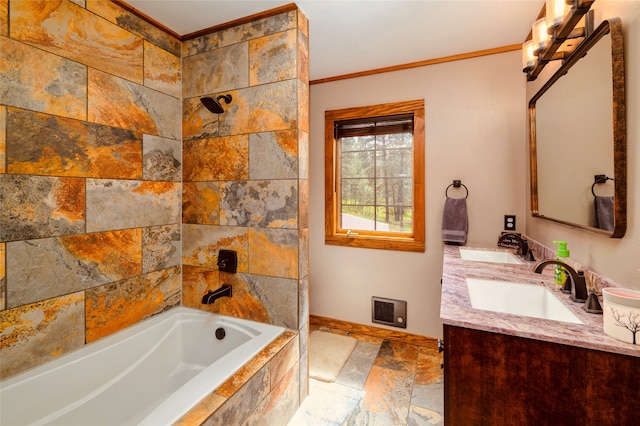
389 312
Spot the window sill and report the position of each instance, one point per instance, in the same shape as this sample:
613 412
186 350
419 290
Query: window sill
376 242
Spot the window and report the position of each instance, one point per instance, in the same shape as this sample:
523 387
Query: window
374 176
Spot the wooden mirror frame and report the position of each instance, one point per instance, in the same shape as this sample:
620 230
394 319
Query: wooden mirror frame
611 26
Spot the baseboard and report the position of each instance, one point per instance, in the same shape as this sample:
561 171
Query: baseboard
369 330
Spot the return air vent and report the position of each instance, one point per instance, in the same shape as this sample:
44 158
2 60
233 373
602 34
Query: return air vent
389 312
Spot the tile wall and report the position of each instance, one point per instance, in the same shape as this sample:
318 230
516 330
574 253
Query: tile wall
245 173
118 187
91 169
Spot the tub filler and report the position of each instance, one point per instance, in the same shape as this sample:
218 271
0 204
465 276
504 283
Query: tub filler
150 374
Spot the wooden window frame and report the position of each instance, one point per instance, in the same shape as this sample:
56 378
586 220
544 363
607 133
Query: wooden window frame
375 239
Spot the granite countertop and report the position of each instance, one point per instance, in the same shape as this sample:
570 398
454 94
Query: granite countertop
456 310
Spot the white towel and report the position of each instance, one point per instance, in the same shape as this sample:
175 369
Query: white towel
455 222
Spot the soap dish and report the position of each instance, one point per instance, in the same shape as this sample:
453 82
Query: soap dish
622 314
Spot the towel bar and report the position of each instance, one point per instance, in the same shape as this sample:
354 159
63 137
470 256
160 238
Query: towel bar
456 184
598 179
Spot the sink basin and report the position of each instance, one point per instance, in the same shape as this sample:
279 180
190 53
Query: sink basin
529 300
489 256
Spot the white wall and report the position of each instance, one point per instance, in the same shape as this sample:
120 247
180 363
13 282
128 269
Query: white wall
475 130
618 259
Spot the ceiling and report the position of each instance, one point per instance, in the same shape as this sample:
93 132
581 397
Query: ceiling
348 36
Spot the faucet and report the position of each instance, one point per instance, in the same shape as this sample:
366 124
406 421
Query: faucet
523 246
578 283
213 295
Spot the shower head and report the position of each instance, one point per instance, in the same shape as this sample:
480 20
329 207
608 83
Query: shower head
214 105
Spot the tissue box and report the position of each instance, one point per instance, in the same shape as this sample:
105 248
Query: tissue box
622 314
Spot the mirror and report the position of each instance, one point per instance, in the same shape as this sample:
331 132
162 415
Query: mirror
577 134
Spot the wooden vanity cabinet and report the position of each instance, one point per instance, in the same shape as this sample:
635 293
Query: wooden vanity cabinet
497 379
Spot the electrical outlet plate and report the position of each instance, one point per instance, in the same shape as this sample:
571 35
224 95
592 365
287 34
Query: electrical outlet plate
509 222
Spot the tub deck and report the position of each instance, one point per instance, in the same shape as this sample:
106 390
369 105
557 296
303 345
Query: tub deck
151 373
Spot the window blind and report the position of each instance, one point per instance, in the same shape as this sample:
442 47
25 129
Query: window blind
401 123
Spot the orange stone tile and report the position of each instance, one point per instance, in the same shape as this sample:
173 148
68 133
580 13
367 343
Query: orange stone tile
303 203
272 58
201 202
428 369
397 356
262 108
303 57
127 20
36 333
116 306
4 17
202 243
243 304
123 204
387 395
282 363
41 81
48 145
197 121
303 106
235 382
303 23
72 32
215 71
268 244
3 276
195 284
103 89
3 138
216 159
40 207
118 254
68 199
202 411
162 70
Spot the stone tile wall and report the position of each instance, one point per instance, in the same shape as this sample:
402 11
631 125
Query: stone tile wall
114 209
245 181
90 175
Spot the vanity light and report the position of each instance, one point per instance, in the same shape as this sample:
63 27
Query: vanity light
528 58
553 29
539 35
555 11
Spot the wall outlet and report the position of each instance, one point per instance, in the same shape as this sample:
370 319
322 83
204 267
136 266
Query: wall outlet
509 222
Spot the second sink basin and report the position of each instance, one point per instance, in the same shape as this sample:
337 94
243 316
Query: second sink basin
489 256
529 300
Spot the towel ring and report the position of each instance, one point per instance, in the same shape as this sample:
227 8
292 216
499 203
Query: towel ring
599 179
456 184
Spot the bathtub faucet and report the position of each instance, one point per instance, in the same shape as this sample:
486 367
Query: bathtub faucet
213 295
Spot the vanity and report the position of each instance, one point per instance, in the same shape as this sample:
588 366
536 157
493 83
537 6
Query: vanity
508 369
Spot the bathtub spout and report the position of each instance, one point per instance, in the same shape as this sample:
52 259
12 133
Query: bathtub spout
212 296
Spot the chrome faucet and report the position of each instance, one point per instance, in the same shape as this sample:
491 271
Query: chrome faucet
212 295
578 282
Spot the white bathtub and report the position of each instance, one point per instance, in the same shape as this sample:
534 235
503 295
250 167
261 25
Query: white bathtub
150 374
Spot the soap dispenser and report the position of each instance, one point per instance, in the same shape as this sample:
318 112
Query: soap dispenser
562 254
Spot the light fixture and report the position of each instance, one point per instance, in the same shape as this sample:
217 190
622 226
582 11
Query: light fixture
555 11
549 32
539 35
528 58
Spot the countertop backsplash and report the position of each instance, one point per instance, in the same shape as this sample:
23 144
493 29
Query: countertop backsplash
595 281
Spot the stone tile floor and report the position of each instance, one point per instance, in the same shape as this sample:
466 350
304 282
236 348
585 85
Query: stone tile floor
383 383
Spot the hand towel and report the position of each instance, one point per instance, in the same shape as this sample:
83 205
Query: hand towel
603 212
455 222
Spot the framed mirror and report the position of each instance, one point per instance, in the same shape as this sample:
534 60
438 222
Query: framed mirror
578 134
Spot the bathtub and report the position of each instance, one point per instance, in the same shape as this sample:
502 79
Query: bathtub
149 374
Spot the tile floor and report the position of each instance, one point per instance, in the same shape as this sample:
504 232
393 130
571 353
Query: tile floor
383 383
